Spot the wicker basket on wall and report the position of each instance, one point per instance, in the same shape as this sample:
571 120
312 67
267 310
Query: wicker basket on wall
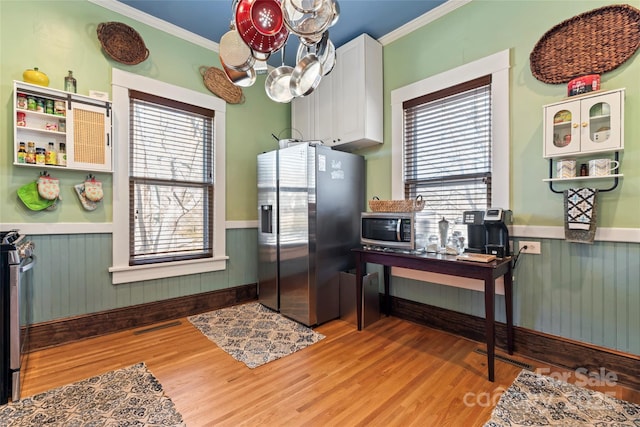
218 83
591 43
122 43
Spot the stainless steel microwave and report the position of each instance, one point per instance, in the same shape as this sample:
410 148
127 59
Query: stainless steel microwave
388 230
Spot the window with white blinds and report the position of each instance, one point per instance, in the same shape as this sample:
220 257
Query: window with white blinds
170 180
447 151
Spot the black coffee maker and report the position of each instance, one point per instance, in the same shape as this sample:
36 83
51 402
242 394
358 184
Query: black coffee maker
487 231
476 232
495 224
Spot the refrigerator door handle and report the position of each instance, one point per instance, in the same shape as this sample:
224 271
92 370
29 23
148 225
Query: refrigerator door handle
266 218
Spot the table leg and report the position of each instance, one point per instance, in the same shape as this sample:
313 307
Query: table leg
489 309
359 274
387 283
508 296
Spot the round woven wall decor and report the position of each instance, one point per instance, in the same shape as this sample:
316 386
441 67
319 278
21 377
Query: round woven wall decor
218 83
122 43
591 43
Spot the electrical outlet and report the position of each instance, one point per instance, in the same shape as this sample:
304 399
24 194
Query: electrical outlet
532 247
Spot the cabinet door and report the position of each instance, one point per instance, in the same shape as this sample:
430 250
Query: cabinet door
302 118
349 92
312 115
324 120
562 129
601 123
90 130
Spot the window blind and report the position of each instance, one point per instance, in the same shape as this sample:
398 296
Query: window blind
170 180
447 151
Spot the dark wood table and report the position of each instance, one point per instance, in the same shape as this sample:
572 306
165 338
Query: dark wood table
445 264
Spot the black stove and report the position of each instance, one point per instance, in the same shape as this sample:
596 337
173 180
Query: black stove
16 259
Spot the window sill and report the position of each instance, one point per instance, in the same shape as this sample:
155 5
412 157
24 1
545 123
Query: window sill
129 274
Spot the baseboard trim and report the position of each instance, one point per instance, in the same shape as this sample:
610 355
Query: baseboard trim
559 351
63 331
555 350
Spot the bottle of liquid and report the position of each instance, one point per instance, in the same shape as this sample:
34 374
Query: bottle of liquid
70 83
50 155
62 154
40 156
22 153
31 153
583 170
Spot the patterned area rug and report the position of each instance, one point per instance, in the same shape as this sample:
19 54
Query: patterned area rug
254 334
126 397
537 400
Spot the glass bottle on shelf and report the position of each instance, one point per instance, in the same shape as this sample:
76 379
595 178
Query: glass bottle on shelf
62 155
22 153
70 83
40 156
31 153
50 155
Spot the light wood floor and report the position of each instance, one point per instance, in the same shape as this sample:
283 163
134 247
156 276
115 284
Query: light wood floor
394 373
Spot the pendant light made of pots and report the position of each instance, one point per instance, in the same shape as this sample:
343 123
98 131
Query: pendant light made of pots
260 28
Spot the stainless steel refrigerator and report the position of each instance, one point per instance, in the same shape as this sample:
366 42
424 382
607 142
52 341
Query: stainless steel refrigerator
309 199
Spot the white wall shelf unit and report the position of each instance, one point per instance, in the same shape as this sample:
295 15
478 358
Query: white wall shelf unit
80 123
583 127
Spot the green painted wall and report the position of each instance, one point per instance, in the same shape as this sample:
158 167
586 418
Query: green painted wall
484 27
57 36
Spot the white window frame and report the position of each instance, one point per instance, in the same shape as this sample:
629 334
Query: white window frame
498 66
121 271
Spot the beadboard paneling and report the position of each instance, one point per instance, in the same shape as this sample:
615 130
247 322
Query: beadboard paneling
71 277
584 292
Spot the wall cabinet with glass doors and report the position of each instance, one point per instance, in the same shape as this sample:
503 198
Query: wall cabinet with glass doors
584 127
46 118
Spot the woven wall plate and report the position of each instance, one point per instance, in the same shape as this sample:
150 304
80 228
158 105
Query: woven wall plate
591 43
122 43
218 83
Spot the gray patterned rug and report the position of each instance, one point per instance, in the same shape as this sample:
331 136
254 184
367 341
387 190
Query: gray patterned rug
537 400
254 334
125 397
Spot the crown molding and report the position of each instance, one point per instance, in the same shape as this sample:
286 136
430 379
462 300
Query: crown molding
422 20
152 21
162 25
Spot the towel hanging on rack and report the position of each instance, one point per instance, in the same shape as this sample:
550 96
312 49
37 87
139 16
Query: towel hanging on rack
580 214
